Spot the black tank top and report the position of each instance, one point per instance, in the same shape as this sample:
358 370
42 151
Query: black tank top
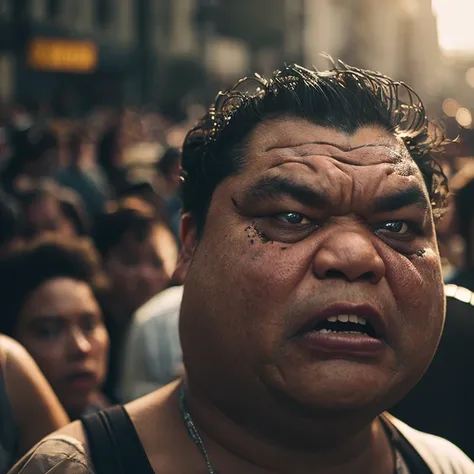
115 448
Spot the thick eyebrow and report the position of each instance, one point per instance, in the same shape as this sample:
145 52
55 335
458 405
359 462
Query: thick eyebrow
411 196
276 187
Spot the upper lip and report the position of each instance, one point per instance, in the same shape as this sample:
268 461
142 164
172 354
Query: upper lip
368 312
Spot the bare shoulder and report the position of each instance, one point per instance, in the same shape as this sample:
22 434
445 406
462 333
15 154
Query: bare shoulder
66 451
161 431
154 406
56 454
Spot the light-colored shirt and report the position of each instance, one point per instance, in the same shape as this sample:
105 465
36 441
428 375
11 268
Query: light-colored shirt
152 356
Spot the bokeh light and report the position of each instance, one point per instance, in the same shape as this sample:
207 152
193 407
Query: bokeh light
455 24
464 117
470 77
450 107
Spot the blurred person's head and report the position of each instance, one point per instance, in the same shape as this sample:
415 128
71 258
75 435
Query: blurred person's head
49 294
139 252
34 154
146 191
465 216
310 198
169 166
47 207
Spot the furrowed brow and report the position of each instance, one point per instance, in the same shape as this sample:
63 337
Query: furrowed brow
411 196
276 187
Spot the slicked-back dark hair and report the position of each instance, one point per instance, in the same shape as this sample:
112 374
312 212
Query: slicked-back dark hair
344 98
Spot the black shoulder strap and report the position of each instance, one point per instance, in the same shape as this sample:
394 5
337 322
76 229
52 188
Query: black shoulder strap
113 442
416 464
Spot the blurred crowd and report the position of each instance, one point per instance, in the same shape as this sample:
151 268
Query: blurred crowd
89 224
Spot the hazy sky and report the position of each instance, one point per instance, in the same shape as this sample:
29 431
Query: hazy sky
455 24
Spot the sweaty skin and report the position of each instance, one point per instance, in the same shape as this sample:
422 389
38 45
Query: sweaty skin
288 286
262 403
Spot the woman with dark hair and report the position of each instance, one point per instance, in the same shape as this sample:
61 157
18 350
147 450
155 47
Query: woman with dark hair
50 294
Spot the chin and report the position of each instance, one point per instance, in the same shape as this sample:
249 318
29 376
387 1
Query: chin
361 392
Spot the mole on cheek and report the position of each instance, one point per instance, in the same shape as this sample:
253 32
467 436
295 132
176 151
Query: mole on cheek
251 234
420 253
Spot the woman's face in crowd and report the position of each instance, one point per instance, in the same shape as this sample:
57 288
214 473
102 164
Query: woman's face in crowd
141 268
61 326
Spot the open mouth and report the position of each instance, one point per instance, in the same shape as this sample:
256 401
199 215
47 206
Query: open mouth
344 324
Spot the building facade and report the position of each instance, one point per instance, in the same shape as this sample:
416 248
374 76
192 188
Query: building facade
69 53
159 50
396 37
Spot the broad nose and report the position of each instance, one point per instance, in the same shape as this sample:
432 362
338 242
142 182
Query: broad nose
350 256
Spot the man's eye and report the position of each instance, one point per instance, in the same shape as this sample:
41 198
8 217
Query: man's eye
292 218
397 227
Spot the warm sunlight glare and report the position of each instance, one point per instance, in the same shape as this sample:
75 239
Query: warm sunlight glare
455 24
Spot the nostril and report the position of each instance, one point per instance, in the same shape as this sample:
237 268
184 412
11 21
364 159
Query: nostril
368 276
332 273
340 275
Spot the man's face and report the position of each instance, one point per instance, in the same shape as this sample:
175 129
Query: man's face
317 224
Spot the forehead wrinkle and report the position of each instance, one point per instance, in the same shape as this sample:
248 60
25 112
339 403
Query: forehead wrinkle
342 166
340 147
297 155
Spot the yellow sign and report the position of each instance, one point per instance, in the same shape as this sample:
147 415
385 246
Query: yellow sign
54 54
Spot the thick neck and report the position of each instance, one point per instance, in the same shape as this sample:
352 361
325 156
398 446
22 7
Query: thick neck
318 447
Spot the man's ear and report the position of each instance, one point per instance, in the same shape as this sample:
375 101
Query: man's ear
189 241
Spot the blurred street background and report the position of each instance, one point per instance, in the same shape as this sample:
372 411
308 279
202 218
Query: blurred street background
134 75
68 59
